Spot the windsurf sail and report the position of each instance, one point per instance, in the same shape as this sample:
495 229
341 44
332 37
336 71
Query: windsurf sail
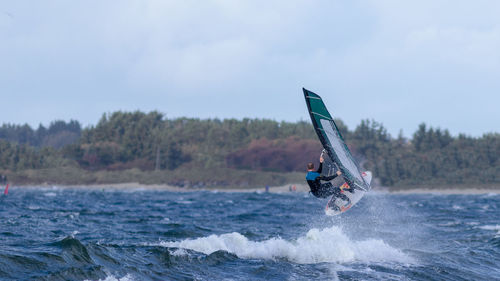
333 142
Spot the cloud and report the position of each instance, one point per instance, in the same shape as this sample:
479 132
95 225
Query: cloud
382 58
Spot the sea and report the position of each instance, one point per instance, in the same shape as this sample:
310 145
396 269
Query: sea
108 234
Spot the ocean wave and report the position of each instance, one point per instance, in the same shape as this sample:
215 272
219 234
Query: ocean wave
492 227
73 250
316 246
111 277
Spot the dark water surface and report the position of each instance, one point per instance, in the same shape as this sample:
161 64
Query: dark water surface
67 234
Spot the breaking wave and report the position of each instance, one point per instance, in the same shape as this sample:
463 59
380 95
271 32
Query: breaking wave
316 246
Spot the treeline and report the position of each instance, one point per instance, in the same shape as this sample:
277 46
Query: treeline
148 141
431 157
58 134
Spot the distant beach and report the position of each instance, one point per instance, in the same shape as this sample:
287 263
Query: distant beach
446 191
273 189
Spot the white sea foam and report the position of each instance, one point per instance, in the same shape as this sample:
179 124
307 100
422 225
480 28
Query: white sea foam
317 246
179 252
185 202
451 223
111 277
492 227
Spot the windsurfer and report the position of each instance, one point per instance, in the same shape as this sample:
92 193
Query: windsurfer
323 190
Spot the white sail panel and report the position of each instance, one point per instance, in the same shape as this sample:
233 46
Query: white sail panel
339 148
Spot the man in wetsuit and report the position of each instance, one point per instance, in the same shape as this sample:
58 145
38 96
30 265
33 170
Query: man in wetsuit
323 190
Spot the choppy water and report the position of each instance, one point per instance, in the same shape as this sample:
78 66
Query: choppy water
64 234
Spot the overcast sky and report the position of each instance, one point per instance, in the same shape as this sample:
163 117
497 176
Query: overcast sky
398 62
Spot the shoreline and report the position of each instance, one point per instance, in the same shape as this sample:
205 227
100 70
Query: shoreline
272 189
164 187
447 191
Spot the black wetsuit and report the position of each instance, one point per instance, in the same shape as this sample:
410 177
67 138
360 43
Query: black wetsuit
326 189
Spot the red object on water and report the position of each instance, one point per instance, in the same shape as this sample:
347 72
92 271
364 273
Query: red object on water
6 189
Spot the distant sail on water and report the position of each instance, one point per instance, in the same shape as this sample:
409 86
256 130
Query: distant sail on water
333 142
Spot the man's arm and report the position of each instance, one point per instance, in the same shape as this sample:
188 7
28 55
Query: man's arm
331 177
327 178
320 168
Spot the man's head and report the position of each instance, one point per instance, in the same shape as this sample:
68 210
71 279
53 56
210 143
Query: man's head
310 166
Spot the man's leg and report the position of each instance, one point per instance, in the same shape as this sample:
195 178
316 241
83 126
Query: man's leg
327 190
337 192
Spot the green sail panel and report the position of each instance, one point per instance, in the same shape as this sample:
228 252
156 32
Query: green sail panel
332 140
